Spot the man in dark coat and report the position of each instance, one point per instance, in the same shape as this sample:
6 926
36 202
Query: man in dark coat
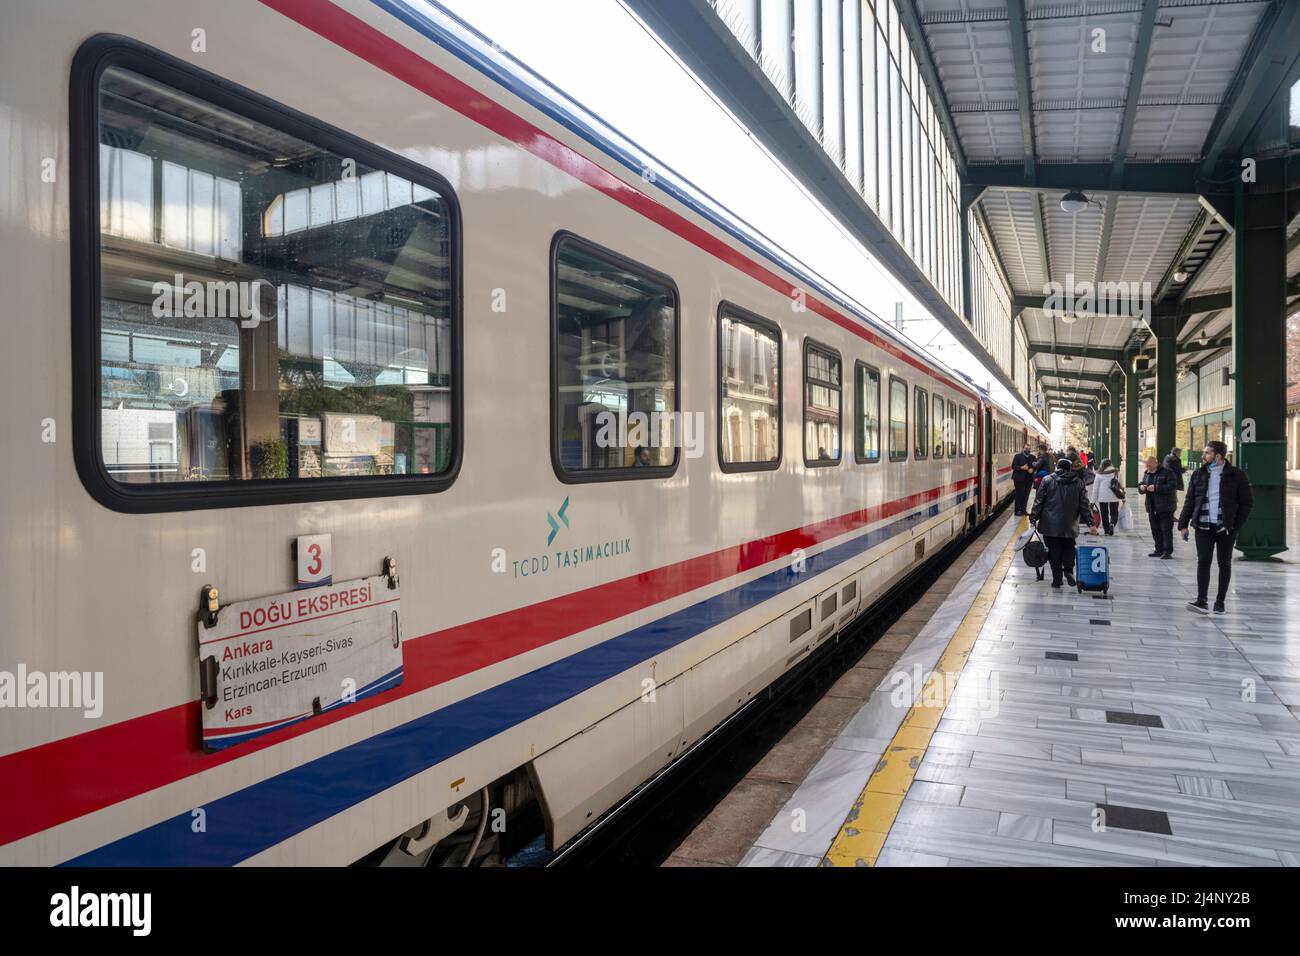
1218 503
1174 462
1059 506
1160 489
1022 476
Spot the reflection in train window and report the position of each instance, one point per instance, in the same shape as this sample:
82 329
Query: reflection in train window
749 375
269 309
936 427
897 419
615 372
867 446
922 424
821 407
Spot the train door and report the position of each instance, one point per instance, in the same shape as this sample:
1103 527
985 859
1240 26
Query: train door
986 453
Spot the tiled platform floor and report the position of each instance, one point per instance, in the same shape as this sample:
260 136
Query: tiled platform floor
1164 710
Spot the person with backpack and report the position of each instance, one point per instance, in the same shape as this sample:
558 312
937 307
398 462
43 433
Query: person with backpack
1219 500
1160 487
1060 504
1108 492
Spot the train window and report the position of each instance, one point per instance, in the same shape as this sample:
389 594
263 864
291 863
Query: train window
921 441
897 419
749 395
275 303
961 430
615 366
821 407
970 432
867 444
936 428
950 429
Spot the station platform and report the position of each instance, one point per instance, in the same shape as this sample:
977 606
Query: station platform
1001 722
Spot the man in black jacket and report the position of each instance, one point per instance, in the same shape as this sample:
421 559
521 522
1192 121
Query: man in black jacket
1160 488
1059 506
1218 502
1022 476
1174 462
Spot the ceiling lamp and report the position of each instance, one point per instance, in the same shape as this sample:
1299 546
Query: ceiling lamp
1181 275
1069 318
1066 359
1074 202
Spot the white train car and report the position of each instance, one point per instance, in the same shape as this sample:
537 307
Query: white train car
289 269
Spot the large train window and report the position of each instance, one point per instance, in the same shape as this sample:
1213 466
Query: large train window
867 434
950 429
961 430
897 419
614 370
749 391
922 424
970 432
936 428
276 310
821 407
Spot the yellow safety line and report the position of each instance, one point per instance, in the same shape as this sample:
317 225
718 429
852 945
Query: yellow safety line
864 831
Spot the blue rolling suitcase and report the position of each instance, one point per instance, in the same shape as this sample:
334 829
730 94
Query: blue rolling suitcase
1092 567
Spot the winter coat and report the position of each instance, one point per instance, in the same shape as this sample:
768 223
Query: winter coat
1162 491
1060 504
1101 492
1175 465
1018 473
1235 498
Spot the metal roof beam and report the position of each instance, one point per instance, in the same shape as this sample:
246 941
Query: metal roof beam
1141 50
1194 305
1020 58
1046 348
1104 377
1270 65
1155 179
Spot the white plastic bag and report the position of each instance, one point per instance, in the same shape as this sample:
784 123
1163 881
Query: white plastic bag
1125 518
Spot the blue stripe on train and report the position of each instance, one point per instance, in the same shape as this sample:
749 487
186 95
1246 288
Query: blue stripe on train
270 811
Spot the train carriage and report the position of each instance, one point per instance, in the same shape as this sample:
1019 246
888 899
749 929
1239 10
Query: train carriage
342 276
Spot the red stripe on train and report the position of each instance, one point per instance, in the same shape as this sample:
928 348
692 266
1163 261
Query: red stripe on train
87 772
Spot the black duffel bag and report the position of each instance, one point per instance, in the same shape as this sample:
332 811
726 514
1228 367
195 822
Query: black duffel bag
1035 553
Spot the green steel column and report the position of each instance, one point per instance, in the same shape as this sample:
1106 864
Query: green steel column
1166 328
1112 430
1131 410
1103 434
1259 355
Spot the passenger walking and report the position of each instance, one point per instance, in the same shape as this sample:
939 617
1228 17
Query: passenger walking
1218 503
1022 476
1108 492
1059 506
1161 490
